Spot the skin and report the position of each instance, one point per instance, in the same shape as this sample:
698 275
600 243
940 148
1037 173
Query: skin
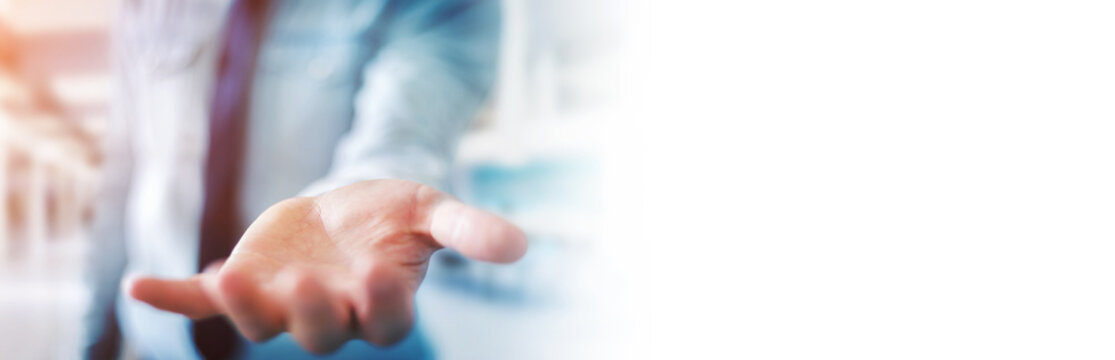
340 266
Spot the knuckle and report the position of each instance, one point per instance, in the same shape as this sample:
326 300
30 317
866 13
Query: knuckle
319 346
228 284
388 337
302 283
388 330
253 336
379 278
370 276
259 336
317 342
254 332
289 204
306 342
426 194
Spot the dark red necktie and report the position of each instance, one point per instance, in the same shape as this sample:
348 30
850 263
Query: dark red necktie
221 224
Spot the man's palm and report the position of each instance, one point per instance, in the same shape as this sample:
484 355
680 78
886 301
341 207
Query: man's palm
335 267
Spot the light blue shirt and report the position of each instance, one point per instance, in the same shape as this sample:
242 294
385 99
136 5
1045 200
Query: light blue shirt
333 102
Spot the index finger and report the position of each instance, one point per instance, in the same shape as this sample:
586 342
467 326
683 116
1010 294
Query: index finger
187 297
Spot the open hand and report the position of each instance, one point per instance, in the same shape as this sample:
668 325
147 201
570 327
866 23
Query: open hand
343 265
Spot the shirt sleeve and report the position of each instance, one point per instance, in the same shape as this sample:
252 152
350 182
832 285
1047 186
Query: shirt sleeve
434 71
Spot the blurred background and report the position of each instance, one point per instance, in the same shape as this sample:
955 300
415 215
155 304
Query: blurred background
532 155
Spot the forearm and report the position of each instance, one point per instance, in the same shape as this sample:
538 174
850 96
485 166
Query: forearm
419 95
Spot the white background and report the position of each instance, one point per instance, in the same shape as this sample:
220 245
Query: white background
868 180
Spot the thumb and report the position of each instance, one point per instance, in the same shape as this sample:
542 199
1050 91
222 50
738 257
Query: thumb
475 233
187 297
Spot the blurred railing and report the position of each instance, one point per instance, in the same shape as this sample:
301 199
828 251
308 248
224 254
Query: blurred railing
48 180
48 156
49 112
